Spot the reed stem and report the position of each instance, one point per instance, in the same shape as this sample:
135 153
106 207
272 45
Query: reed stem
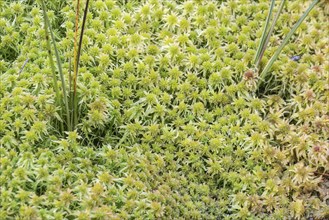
77 60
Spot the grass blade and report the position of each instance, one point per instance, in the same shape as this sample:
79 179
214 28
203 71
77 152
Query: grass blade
24 64
75 73
75 98
262 41
71 93
270 33
52 65
59 65
285 41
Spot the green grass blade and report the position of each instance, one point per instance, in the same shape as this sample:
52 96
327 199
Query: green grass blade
52 65
70 75
76 40
270 33
285 41
70 91
75 73
262 41
59 64
75 110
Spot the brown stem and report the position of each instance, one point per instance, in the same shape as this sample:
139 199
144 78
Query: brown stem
324 174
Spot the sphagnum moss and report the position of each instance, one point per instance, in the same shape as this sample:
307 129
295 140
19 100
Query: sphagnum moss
170 124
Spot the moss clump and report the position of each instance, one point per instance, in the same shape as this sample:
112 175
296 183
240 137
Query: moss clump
171 125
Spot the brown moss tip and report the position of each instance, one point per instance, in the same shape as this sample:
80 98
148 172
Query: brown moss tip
317 148
316 69
249 74
309 94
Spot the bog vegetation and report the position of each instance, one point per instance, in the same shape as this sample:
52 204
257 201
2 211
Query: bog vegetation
164 109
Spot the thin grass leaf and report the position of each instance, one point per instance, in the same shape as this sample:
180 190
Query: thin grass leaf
75 73
52 65
70 76
76 39
285 41
75 109
59 65
262 41
24 64
71 93
270 33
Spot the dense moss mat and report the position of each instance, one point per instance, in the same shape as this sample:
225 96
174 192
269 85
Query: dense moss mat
172 125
